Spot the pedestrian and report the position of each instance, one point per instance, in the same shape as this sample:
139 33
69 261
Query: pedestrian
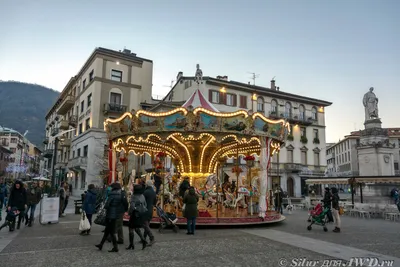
327 200
33 195
151 199
138 215
278 199
61 195
67 195
157 181
335 206
191 212
18 200
89 206
3 195
184 186
115 206
120 220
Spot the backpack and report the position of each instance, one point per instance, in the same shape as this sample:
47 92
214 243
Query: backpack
139 206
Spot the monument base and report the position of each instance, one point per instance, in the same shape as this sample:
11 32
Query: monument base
376 161
373 123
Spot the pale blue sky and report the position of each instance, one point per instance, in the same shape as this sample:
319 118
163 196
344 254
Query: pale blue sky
333 50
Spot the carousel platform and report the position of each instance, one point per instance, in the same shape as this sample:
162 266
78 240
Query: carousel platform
226 219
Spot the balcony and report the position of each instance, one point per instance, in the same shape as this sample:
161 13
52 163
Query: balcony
66 142
54 132
67 103
46 141
295 118
48 153
64 125
111 108
293 167
79 163
73 120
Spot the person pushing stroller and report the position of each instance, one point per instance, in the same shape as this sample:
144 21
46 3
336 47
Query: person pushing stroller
10 219
328 203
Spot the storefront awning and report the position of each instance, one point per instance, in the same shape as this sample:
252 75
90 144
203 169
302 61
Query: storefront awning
378 180
327 181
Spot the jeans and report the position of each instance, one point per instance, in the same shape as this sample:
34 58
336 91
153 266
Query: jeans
279 209
65 205
89 217
1 204
32 208
191 225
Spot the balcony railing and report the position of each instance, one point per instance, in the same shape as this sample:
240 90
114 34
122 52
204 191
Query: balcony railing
114 108
77 163
298 118
64 125
48 153
73 120
66 142
293 167
46 141
54 132
67 103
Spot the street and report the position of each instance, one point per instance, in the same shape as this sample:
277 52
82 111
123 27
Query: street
60 245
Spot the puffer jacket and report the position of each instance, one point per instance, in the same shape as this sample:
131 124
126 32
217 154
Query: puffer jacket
115 205
89 204
18 197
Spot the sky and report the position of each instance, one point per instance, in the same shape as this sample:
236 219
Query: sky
330 50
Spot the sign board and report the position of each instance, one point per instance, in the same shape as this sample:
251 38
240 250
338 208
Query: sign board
49 210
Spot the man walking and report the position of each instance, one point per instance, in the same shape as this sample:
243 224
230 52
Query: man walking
33 195
151 199
335 206
61 195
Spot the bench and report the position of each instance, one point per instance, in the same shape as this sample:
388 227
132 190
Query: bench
78 206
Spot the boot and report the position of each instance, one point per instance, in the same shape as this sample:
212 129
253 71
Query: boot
144 242
131 245
30 221
26 220
99 246
115 246
152 241
336 230
88 232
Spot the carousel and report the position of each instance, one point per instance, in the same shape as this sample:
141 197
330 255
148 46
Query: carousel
225 156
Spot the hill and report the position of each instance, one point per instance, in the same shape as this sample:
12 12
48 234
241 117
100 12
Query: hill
23 106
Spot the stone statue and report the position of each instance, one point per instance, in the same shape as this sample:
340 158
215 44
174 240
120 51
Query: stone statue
370 102
198 77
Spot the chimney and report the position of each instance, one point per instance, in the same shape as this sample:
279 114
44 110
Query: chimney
224 78
273 84
180 74
126 51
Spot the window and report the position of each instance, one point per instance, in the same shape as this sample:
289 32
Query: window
73 154
82 106
89 100
316 159
288 110
91 75
316 134
84 84
260 104
303 131
396 166
290 156
214 97
116 75
231 100
83 179
302 112
85 151
80 128
348 155
345 157
87 124
78 152
188 84
304 157
314 113
243 101
14 140
115 98
274 107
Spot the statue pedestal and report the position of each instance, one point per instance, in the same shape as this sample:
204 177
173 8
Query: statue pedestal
375 152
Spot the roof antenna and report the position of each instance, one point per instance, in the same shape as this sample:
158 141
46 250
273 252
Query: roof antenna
254 76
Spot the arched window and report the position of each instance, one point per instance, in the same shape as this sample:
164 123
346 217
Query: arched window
288 110
302 112
260 104
314 113
274 107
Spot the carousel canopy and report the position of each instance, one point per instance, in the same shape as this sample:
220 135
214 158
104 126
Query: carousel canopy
198 100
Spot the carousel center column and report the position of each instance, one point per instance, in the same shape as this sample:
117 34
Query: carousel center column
264 159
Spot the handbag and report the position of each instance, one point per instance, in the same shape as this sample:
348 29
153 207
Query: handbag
101 216
341 211
84 224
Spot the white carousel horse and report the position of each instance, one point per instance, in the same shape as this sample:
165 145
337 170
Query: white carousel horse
242 193
210 194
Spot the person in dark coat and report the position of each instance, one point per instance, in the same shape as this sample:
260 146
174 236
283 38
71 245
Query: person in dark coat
151 199
278 194
335 207
138 215
191 212
184 186
115 207
89 206
157 181
33 195
327 200
18 199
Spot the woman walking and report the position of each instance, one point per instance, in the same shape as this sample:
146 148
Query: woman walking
115 206
18 199
191 212
335 206
137 213
89 206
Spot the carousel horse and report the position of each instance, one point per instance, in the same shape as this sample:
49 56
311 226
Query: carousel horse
210 194
242 193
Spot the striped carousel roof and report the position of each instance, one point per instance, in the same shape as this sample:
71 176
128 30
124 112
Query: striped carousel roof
198 100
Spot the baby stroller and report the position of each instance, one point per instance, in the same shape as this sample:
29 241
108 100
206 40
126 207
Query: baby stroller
318 216
167 220
10 219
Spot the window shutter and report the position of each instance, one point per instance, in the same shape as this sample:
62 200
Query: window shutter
235 100
222 98
210 95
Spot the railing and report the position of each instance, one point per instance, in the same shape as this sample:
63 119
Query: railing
293 167
64 125
297 117
77 162
115 108
54 132
73 120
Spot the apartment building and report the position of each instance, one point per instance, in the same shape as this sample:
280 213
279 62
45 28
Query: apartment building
109 84
19 147
342 157
303 156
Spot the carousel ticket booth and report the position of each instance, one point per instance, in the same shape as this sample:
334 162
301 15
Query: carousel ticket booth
196 143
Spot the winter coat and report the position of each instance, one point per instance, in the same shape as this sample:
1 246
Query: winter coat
18 197
335 199
115 204
278 197
151 200
89 204
327 199
183 187
190 201
138 208
33 195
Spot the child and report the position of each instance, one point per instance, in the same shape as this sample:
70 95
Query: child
10 219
